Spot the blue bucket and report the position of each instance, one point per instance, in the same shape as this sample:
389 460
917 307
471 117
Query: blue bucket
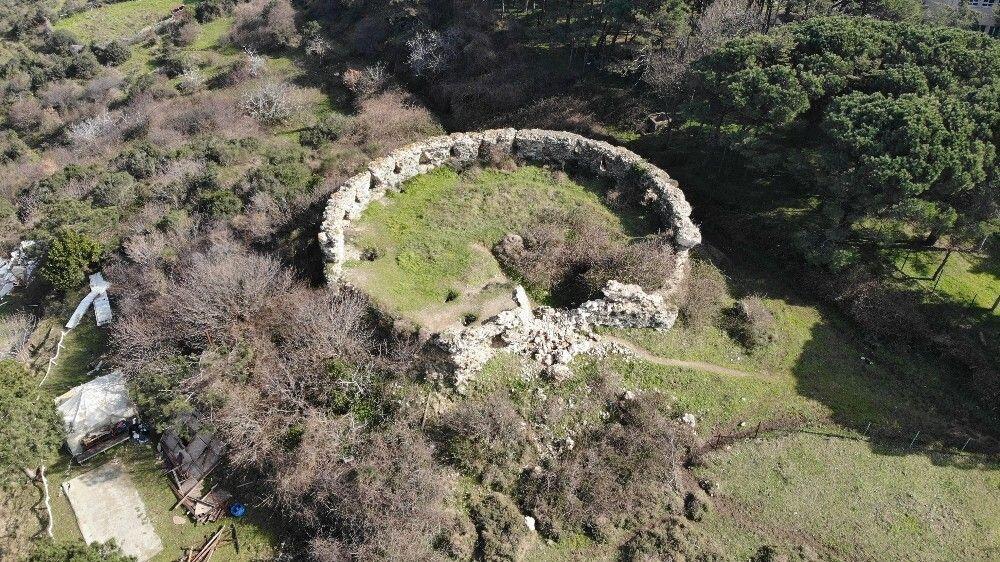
237 510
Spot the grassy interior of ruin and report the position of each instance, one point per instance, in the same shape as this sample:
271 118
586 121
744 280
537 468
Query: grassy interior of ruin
432 242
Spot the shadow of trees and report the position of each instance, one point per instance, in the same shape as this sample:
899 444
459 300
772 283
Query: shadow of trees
903 398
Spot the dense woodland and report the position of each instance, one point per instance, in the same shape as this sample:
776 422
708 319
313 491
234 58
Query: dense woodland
821 142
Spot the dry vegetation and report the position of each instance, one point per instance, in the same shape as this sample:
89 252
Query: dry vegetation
193 171
572 256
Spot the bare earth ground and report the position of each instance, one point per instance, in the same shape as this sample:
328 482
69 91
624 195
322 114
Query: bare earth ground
108 506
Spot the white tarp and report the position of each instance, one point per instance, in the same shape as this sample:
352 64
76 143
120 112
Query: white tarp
102 306
93 406
98 296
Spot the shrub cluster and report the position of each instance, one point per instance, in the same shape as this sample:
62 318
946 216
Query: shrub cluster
572 256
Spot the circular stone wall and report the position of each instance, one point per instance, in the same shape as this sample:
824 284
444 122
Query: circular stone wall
636 177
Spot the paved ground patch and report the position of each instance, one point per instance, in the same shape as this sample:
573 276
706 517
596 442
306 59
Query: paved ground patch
108 506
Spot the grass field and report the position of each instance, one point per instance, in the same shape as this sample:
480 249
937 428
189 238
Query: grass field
814 369
837 497
436 236
966 278
116 21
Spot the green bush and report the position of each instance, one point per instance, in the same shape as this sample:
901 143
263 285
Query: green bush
500 526
69 258
329 130
31 430
141 161
114 189
220 203
112 54
283 181
83 65
12 147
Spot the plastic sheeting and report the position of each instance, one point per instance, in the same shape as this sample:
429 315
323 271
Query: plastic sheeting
98 297
93 406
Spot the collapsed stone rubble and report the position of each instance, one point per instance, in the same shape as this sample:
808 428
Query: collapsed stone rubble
552 337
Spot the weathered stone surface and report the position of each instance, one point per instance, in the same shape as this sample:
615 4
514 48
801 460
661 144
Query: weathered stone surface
552 337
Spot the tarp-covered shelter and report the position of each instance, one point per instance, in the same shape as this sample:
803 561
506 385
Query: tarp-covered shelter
97 415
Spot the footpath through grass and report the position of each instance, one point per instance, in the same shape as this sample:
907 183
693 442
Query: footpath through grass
436 236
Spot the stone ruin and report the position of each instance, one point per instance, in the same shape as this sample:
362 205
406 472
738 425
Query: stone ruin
552 337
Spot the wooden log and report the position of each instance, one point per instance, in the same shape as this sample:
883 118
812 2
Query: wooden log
186 494
209 546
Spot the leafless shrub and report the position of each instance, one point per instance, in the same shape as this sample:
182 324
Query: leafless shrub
25 115
431 52
752 323
206 112
721 20
191 80
269 102
390 120
222 289
574 256
626 468
367 82
146 248
387 500
704 294
104 88
90 130
15 330
486 439
563 113
268 25
61 96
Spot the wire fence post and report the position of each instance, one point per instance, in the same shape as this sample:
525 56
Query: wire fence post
967 441
914 439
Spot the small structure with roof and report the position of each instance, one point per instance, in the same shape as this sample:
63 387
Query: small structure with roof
192 451
97 415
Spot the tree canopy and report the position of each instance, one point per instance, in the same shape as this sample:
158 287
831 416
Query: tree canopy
890 128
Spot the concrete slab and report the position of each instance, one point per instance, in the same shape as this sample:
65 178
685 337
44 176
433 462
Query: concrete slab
108 506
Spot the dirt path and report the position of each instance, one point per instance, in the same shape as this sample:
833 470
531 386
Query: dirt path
693 365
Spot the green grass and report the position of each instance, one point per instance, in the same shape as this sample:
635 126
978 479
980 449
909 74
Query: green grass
81 349
116 21
438 233
838 496
147 475
813 369
211 34
966 278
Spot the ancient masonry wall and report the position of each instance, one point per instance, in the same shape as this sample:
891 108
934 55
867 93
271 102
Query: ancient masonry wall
652 185
549 337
